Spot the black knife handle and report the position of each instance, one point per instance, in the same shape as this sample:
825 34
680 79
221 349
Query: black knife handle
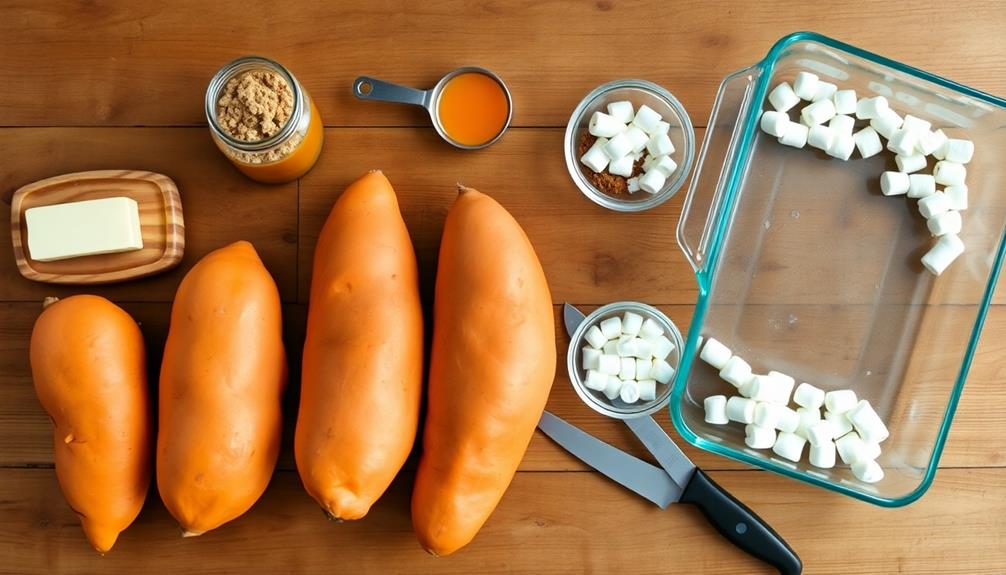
739 524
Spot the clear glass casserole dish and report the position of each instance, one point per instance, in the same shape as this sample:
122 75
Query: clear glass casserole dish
805 268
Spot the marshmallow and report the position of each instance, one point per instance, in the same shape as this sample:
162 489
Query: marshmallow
817 113
642 367
613 388
958 196
808 417
661 371
605 126
611 327
611 347
894 183
646 119
746 388
660 145
949 173
609 364
643 348
618 146
886 123
921 185
840 401
909 164
627 369
589 358
806 395
805 85
647 389
825 91
652 181
595 337
649 162
823 455
621 111
715 353
740 409
842 124
716 409
768 414
789 446
783 387
782 97
867 142
934 204
595 158
820 137
930 142
661 347
622 166
630 392
946 250
959 151
916 124
789 420
757 437
852 448
868 471
820 432
773 123
866 421
665 165
638 138
736 371
763 387
633 185
845 101
945 223
595 380
662 127
650 329
901 142
794 135
839 422
842 146
870 108
940 153
631 322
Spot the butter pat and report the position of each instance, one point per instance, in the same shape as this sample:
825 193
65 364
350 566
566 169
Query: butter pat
91 227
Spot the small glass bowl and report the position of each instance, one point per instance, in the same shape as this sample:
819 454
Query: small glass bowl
638 92
597 400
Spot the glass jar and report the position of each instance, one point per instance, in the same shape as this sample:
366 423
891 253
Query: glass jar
282 157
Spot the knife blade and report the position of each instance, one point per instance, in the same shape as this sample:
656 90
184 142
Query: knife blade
572 317
668 454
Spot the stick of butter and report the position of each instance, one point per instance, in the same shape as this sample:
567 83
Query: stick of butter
91 227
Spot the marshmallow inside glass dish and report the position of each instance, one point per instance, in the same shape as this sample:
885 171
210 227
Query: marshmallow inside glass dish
629 145
635 377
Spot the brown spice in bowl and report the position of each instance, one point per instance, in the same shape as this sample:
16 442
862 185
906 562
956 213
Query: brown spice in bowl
606 182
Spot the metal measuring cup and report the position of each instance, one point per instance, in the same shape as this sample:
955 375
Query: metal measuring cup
367 88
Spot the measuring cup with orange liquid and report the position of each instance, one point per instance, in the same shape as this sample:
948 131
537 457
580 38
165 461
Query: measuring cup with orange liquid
470 107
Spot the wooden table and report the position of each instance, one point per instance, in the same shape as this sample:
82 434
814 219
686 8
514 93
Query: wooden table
120 85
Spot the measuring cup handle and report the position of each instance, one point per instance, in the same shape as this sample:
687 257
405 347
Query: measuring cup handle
366 88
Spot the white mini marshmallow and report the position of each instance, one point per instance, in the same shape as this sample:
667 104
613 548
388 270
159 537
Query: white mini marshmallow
646 119
604 125
902 142
870 108
839 422
660 145
921 185
741 409
652 181
613 388
806 395
909 164
887 123
789 446
644 349
822 456
629 393
959 151
595 337
618 146
868 142
958 196
916 124
934 204
825 91
609 364
590 357
805 85
851 448
650 329
945 223
789 420
845 101
661 347
716 409
760 387
949 173
773 123
817 113
611 327
647 389
662 371
622 166
627 369
746 388
894 183
842 146
631 322
638 138
633 185
941 255
866 421
621 111
715 353
768 414
794 135
643 368
757 437
931 141
595 158
820 137
611 347
842 124
595 380
820 432
649 162
940 153
783 98
868 471
662 127
665 165
840 401
736 371
783 387
808 417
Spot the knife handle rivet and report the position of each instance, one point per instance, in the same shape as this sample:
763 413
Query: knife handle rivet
741 528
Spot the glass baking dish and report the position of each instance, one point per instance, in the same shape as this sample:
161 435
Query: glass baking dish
805 268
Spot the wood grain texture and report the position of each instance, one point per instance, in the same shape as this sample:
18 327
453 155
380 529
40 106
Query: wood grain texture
162 226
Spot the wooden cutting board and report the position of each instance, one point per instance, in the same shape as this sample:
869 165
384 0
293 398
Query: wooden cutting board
161 226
